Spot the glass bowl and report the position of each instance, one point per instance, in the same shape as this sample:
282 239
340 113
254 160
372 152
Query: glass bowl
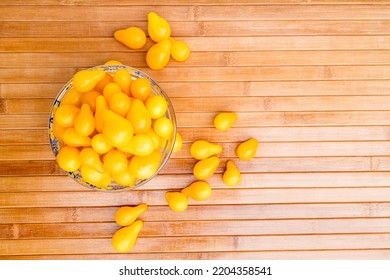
166 150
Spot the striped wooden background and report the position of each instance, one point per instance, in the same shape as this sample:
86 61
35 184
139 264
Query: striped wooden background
309 79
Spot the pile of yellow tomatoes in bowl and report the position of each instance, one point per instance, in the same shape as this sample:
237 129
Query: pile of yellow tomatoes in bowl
112 127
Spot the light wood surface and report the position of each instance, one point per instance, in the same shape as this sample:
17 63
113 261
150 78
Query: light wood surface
309 79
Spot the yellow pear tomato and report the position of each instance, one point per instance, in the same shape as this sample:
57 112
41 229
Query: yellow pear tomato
125 238
100 144
89 98
123 78
176 201
141 89
180 51
90 157
68 158
158 27
66 115
146 166
157 106
132 37
115 162
94 177
72 97
86 80
110 89
247 150
232 175
120 103
163 127
158 55
198 190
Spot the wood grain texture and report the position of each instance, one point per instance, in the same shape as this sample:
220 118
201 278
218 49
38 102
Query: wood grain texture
20 29
245 43
204 58
309 79
58 215
196 244
356 254
194 13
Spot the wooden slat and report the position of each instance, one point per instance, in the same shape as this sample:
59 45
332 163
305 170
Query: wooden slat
24 121
151 2
219 196
96 13
196 244
198 228
297 12
12 168
20 29
30 152
285 104
209 12
25 136
137 59
248 43
199 213
188 2
370 254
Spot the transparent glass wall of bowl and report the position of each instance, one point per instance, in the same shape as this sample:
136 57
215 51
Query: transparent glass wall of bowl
156 89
